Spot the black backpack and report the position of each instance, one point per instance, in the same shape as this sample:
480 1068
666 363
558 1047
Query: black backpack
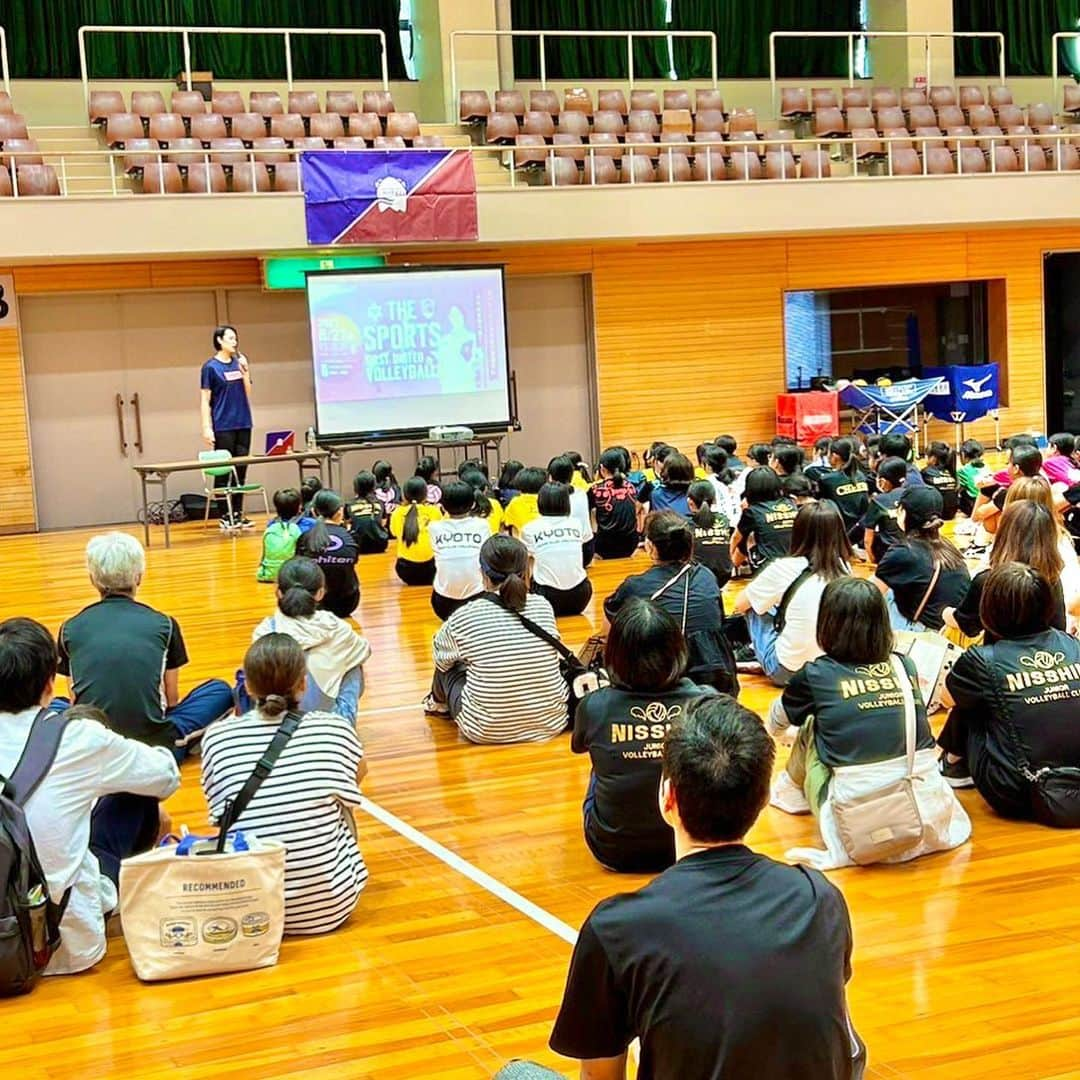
29 920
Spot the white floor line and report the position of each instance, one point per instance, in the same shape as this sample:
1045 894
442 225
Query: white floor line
473 873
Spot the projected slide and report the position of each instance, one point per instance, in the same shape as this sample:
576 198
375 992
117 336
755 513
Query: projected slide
404 351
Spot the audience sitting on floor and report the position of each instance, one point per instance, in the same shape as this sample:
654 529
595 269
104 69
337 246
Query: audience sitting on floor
415 563
763 532
613 500
333 547
335 653
456 541
124 658
92 765
556 542
307 800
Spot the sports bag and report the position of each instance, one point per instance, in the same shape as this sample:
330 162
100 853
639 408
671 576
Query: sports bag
29 920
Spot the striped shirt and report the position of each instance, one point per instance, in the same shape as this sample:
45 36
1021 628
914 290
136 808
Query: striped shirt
514 690
305 803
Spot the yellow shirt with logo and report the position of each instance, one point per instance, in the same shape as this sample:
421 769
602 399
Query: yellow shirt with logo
495 518
420 551
520 512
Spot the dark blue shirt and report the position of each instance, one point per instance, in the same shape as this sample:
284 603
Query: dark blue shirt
663 497
229 408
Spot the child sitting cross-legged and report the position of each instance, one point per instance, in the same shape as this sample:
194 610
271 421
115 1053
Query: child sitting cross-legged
365 516
279 540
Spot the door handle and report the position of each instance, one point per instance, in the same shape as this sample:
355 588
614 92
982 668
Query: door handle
120 424
138 423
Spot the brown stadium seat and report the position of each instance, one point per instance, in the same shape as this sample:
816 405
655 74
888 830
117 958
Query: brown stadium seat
351 142
742 120
343 102
185 152
674 166
1070 158
1009 115
1032 158
971 160
859 116
939 161
208 126
643 142
531 152
103 103
473 106
854 97
389 142
544 101
746 165
1071 104
989 130
637 169
5 102
287 177
248 177
20 152
969 96
645 99
327 126
404 124
823 98
568 146
559 172
884 97
999 95
432 142
162 179
248 126
814 164
921 116
610 120
980 115
930 136
5 184
188 103
1039 114
13 126
577 99
746 140
266 103
942 95
866 143
304 102
228 103
777 139
905 162
228 151
1004 159
140 152
677 99
709 163
780 165
709 120
828 122
309 142
901 138
574 123
1021 135
606 144
955 144
615 100
911 96
287 126
795 101
206 179
502 127
950 116
1047 130
643 120
147 103
675 122
510 101
600 170
708 99
537 122
119 128
167 126
270 150
366 125
890 116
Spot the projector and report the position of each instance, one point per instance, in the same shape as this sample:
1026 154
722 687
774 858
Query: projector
450 433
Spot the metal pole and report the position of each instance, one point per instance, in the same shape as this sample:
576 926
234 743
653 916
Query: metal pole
715 65
288 59
630 56
82 68
451 116
851 59
543 61
772 69
383 61
929 64
4 60
1001 60
187 57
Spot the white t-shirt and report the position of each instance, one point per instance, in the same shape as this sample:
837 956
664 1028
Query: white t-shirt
457 543
555 545
91 762
798 644
727 501
579 511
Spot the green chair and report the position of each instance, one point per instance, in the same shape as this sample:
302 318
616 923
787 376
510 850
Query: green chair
233 487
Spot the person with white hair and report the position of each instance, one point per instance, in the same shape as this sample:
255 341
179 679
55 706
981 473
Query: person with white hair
124 657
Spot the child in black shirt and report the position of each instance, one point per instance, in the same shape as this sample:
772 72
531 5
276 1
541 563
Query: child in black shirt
365 516
712 531
764 530
940 473
879 521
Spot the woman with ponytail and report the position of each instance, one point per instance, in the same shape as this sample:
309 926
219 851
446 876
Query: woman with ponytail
306 802
334 651
494 677
409 524
334 548
845 484
613 500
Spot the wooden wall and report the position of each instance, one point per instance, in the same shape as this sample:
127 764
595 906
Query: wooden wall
16 484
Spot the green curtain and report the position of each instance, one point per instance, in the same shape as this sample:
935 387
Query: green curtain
742 29
43 38
1028 26
589 57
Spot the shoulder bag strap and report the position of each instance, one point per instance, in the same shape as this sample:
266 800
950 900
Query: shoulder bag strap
235 808
671 581
929 592
534 628
780 619
38 755
903 680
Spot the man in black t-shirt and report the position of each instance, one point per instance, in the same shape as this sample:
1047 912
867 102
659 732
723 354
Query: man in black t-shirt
728 965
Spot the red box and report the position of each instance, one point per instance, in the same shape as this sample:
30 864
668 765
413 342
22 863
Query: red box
808 417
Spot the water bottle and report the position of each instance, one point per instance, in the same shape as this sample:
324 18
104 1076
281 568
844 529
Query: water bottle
309 438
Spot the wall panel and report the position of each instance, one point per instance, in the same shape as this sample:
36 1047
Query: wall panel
16 484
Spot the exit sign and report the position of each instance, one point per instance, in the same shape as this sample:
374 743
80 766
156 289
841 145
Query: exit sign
288 273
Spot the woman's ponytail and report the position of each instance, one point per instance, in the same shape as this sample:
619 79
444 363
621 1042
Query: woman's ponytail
505 563
299 582
414 494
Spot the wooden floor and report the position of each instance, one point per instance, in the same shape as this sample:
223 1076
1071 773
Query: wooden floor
967 963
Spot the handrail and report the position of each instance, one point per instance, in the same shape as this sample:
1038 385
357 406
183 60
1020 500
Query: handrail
851 35
4 60
286 33
543 35
1064 34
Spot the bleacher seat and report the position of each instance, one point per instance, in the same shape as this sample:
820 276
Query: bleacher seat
795 102
103 104
950 116
140 152
941 96
673 166
606 145
379 102
997 96
304 102
1070 157
777 138
1071 104
643 142
906 162
993 133
119 128
188 103
709 164
884 97
613 100
1019 135
559 172
206 179
939 161
954 144
643 120
1004 159
288 126
745 164
829 122
5 184
270 150
600 170
577 99
328 125
1047 130
568 146
677 99
575 123
854 97
228 151
388 142
1032 158
266 103
530 152
473 106
708 99
709 120
609 120
637 169
352 142
287 177
969 96
544 101
20 152
645 99
227 103
823 97
5 102
344 103
185 151
859 116
911 96
36 180
510 101
814 165
675 122
167 126
890 117
537 122
921 116
249 178
249 126
980 115
1039 113
866 144
162 179
742 120
365 125
502 127
744 140
147 103
970 160
309 142
780 165
1009 115
207 127
930 136
432 142
899 136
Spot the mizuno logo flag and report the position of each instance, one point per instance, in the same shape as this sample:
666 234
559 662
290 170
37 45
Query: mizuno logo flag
388 196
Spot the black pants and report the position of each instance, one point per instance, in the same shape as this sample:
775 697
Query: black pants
445 606
415 573
615 545
1004 788
238 443
567 601
588 550
965 502
120 826
448 686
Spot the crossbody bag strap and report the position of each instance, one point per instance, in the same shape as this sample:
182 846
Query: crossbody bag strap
1027 770
903 681
234 808
533 628
929 592
780 619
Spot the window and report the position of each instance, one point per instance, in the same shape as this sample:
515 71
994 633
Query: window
405 32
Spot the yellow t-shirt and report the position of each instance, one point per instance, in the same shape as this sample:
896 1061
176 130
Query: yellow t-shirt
420 551
700 473
495 518
578 481
520 512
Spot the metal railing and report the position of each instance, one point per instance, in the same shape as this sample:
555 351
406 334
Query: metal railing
4 60
852 35
1065 35
543 35
286 32
726 162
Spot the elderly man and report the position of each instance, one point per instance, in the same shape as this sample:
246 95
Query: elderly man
124 657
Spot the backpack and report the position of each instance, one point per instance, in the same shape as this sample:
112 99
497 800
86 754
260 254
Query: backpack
279 546
29 920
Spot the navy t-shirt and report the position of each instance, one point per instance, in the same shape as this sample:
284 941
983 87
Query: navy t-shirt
229 408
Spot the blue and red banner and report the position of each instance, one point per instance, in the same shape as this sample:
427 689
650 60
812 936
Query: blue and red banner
389 196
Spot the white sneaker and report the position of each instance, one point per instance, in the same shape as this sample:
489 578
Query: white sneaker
787 797
965 528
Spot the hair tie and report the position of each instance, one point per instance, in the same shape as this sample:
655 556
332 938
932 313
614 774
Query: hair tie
493 575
